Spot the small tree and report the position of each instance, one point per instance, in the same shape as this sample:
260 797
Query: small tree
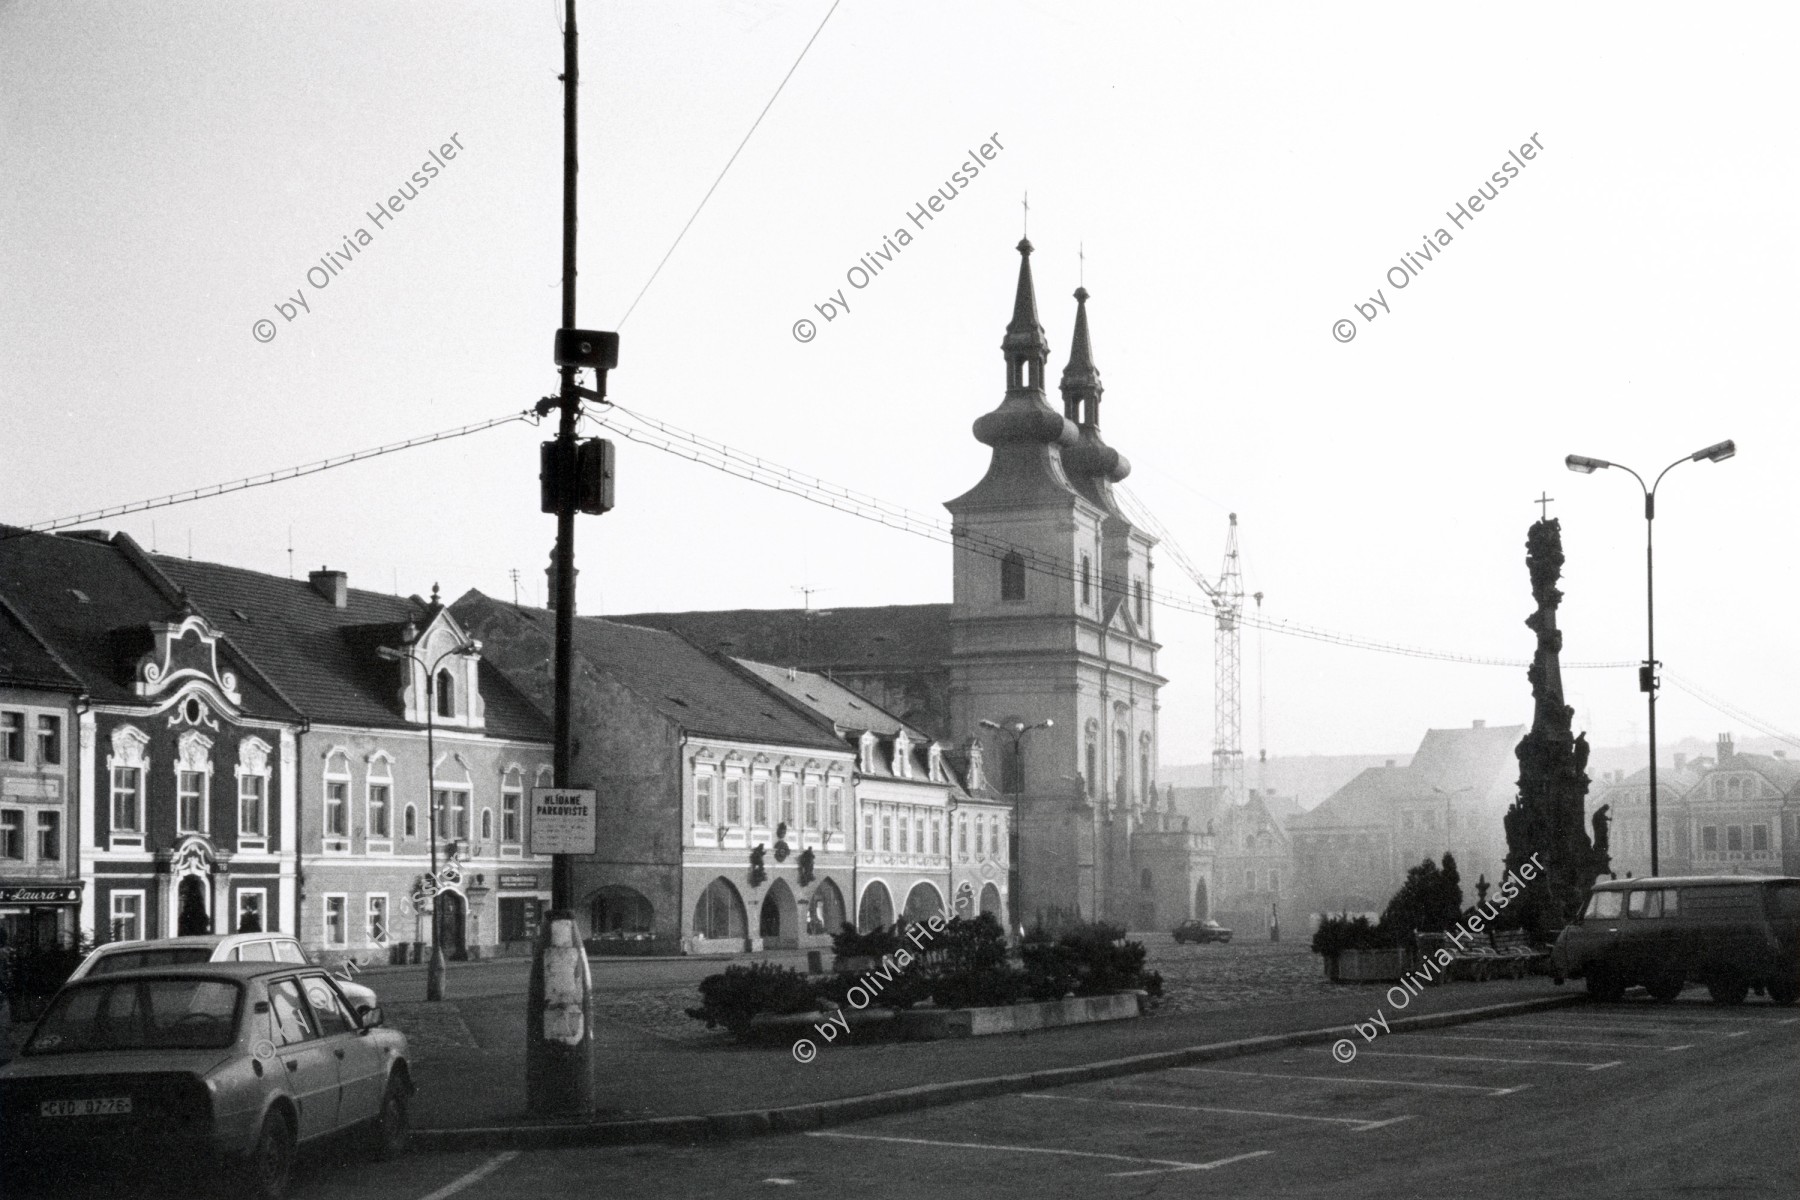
1430 899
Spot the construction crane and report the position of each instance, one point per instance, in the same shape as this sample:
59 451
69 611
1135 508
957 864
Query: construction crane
1227 596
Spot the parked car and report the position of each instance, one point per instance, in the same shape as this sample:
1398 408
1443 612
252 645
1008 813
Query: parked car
208 947
1202 932
1729 932
241 1062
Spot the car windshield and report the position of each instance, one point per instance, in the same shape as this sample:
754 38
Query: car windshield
140 1014
137 960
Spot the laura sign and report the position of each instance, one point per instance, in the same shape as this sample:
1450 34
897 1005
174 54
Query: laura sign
563 821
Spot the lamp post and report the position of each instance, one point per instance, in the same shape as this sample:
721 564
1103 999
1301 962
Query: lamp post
1647 678
1016 728
434 973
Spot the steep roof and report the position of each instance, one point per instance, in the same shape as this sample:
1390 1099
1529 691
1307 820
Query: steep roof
832 700
26 660
91 598
893 635
323 657
1476 759
691 688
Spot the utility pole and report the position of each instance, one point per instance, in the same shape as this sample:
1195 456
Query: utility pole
574 477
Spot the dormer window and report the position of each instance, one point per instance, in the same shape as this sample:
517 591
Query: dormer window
902 756
935 762
866 754
446 694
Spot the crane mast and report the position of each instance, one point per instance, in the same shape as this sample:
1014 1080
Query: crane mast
1228 720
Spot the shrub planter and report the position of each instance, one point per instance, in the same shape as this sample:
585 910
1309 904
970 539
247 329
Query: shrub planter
1367 966
641 946
932 1024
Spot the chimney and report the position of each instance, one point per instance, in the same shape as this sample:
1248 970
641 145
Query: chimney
1479 725
1780 754
333 585
1389 763
1680 760
1725 748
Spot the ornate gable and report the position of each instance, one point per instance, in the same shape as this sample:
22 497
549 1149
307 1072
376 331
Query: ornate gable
185 653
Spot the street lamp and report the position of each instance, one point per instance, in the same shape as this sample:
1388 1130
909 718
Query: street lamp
1016 728
434 973
1647 679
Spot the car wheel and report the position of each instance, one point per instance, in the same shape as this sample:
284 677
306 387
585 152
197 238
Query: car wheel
1728 991
391 1131
1603 985
270 1166
1665 987
1784 991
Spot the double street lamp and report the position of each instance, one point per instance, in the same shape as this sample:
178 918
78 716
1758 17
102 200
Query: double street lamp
1648 681
434 974
1016 728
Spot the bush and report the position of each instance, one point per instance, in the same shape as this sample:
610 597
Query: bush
847 943
1430 899
734 997
971 967
1337 934
30 975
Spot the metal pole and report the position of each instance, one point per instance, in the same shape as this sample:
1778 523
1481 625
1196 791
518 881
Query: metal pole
1016 843
1650 660
561 871
434 973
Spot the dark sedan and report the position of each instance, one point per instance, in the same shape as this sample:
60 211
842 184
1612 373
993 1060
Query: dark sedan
1202 932
238 1062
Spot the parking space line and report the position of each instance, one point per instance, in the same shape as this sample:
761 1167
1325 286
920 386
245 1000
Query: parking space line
473 1177
1358 1122
1203 1167
1163 1164
1531 1041
1418 1083
1516 1062
1689 1030
1789 1021
1673 1049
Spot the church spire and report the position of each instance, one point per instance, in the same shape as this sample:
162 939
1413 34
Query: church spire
1081 387
1023 416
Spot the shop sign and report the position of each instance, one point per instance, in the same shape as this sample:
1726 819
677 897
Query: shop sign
41 895
527 883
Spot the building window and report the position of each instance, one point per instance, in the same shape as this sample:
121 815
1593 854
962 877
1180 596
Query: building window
336 934
127 916
1274 880
994 836
1734 837
1093 765
887 831
409 822
252 805
1137 600
918 836
12 736
378 810
337 808
1087 580
787 804
1012 576
12 833
49 732
1759 837
1250 880
812 806
487 824
49 836
1709 837
759 802
837 808
378 920
937 836
703 798
190 801
734 801
446 694
510 806
868 831
250 911
1121 767
452 814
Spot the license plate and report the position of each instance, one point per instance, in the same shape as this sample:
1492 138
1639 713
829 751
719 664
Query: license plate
85 1108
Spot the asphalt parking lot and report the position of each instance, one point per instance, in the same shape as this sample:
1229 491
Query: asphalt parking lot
1628 1099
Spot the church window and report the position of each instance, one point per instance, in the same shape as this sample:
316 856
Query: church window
1121 767
1012 576
1087 579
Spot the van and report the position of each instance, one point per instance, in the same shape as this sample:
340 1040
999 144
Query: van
1729 932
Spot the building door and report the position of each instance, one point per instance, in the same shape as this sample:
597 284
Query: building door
191 915
452 925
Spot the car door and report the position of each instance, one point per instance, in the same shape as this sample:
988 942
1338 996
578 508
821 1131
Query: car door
362 1068
309 1059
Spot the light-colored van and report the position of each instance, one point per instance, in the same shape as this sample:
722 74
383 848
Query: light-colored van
1729 932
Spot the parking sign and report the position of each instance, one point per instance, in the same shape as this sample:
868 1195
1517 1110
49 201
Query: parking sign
564 821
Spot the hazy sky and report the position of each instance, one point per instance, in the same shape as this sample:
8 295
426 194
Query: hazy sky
1240 175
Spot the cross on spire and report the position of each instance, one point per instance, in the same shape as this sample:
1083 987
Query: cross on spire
1081 253
1543 502
1025 221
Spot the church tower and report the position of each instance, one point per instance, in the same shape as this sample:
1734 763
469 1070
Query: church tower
1051 621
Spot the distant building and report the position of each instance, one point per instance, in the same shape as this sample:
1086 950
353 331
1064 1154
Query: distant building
1353 850
1733 812
40 874
1251 884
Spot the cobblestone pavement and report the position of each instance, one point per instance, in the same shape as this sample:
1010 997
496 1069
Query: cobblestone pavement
1195 979
429 1027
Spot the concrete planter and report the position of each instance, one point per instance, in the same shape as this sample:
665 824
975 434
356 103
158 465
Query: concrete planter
1367 966
933 1024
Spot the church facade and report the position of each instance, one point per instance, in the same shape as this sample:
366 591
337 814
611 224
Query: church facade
1050 629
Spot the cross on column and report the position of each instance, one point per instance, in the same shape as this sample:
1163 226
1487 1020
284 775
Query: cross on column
1544 501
